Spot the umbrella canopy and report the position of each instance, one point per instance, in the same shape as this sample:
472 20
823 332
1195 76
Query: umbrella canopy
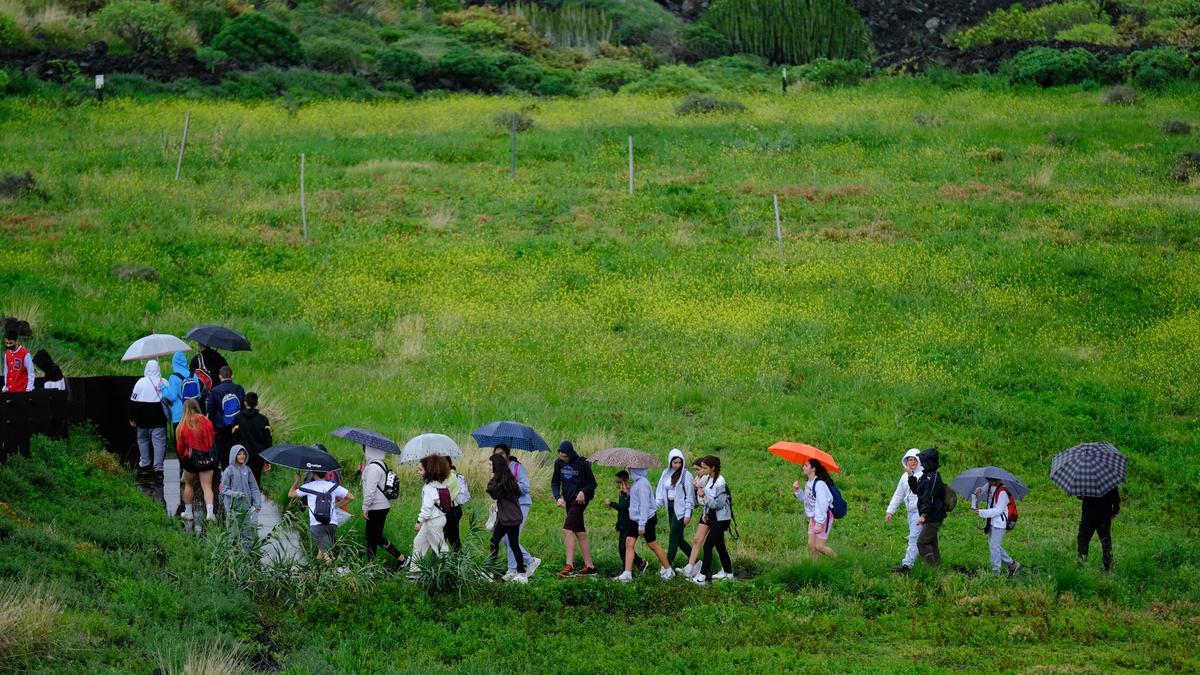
219 337
515 435
1088 469
799 453
625 457
300 458
368 438
153 346
967 481
420 447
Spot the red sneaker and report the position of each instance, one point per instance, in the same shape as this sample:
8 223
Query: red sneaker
588 572
567 571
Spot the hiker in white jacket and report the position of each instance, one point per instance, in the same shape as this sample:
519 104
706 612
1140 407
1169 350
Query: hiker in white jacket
677 494
905 495
643 522
997 516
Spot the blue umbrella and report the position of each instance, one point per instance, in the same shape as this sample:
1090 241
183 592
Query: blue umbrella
368 438
515 435
967 481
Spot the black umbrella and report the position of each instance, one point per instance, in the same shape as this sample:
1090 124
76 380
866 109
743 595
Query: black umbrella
219 337
300 458
1088 469
368 438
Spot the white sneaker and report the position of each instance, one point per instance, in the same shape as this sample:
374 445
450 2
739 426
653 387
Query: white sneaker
210 518
723 575
667 573
531 566
698 580
187 515
624 577
521 578
343 571
508 576
686 571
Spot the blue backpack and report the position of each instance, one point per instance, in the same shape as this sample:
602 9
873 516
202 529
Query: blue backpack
839 504
231 405
190 389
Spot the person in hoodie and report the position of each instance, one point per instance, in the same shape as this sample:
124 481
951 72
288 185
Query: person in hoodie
718 515
689 570
573 485
904 495
207 364
435 503
504 489
252 429
818 507
675 492
931 506
526 501
643 521
222 426
460 493
998 498
173 393
1095 517
621 506
375 506
240 494
52 375
147 415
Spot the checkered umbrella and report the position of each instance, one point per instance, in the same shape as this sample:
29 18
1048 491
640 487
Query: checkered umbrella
1088 469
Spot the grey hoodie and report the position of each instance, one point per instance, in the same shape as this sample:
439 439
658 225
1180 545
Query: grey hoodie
642 505
685 492
238 487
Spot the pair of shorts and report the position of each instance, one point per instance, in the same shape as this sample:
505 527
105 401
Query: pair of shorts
574 520
324 534
813 527
650 535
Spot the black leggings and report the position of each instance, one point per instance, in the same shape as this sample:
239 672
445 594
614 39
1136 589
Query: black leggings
374 530
453 518
715 539
513 532
1101 527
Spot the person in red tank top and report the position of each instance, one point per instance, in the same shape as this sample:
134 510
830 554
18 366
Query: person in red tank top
18 364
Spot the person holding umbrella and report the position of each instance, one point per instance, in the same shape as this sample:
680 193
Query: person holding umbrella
525 501
376 504
1092 471
573 485
504 489
149 417
435 504
817 497
999 499
1096 518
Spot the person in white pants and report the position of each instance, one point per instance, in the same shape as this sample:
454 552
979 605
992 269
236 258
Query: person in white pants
905 495
431 519
997 515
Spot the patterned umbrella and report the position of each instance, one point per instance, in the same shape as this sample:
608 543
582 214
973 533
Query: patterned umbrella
967 481
420 447
515 435
625 457
1088 469
368 438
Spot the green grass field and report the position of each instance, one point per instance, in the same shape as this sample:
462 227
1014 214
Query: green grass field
1002 275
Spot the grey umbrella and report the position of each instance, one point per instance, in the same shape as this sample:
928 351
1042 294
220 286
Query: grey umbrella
1088 469
625 457
967 481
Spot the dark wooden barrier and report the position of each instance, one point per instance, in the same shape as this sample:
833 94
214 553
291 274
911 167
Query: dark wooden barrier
99 402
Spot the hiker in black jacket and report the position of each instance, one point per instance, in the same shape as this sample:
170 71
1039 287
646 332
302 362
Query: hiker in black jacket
574 485
1096 518
252 429
224 415
931 505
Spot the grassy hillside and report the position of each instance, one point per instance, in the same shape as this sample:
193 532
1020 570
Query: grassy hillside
999 274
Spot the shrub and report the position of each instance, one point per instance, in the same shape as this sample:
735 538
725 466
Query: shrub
1175 128
150 27
10 33
611 74
556 82
833 72
1187 168
207 16
701 42
58 28
1002 24
525 76
1120 95
488 25
1154 68
637 22
672 80
331 54
468 69
1057 17
510 119
702 104
401 64
4 80
791 31
211 58
1090 33
257 38
1048 67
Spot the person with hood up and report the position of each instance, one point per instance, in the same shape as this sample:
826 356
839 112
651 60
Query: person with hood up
676 493
52 374
573 485
504 489
621 506
375 506
931 505
718 516
817 496
252 429
147 415
643 521
239 493
904 495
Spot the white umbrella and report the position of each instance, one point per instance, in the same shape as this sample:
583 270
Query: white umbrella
153 346
420 447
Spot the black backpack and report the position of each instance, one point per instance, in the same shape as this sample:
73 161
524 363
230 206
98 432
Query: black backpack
391 482
323 508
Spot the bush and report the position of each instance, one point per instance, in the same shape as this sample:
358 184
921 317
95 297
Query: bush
331 54
211 58
1002 24
833 72
510 119
401 64
1090 33
58 28
1154 68
465 68
701 104
207 16
611 74
1120 95
1175 128
786 31
148 27
301 83
1055 18
1048 67
257 38
701 42
10 33
524 76
489 26
556 82
673 81
1187 168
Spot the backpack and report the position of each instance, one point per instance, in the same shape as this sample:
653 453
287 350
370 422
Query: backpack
1010 518
190 388
949 497
444 503
231 405
391 482
733 527
839 506
322 509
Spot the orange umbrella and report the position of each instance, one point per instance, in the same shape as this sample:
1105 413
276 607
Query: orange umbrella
800 453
